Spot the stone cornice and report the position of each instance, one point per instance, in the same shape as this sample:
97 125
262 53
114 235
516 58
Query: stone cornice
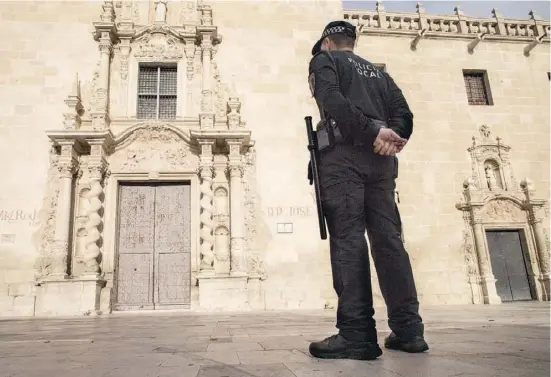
458 26
243 135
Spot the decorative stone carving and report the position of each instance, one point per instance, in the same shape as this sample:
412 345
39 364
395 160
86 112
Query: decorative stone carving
71 118
96 170
124 57
153 132
207 224
189 50
490 163
206 14
222 249
502 210
108 14
158 47
255 264
153 146
43 237
156 158
470 253
93 100
188 14
220 93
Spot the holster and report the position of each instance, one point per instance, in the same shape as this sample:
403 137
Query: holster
328 134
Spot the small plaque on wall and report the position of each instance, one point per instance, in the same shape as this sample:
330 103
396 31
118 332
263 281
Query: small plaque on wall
285 227
7 238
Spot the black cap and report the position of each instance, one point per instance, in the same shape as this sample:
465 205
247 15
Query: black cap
335 27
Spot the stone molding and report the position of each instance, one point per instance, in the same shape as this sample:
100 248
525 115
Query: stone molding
492 200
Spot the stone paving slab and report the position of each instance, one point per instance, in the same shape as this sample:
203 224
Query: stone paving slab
508 340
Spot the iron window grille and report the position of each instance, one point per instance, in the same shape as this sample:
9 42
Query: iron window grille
476 85
157 92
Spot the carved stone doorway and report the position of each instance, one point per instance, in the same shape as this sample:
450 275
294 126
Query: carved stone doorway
510 264
154 248
494 201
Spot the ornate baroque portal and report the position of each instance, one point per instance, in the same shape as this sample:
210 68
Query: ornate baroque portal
493 200
104 145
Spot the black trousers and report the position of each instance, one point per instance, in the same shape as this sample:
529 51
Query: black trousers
357 188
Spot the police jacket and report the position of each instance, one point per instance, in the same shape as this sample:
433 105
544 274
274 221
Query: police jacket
350 90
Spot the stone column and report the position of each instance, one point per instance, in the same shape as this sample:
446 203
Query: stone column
487 278
97 166
207 115
237 215
60 249
207 209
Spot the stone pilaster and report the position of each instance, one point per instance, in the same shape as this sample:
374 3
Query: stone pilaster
105 35
221 216
67 166
487 278
207 113
543 255
533 207
207 209
237 214
97 166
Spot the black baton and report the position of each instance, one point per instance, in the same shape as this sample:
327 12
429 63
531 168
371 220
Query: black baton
313 148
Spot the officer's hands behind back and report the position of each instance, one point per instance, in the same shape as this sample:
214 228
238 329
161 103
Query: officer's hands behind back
388 142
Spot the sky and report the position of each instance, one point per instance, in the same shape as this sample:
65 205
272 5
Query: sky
509 9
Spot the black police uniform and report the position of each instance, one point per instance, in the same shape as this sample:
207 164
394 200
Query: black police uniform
357 188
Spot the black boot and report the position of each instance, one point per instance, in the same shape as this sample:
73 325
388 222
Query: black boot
414 344
337 347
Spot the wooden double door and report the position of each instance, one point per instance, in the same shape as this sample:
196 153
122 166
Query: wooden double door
154 246
509 265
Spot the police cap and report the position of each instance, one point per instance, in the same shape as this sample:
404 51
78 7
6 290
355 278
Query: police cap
335 27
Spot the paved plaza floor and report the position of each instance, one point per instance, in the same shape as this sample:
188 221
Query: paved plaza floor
509 340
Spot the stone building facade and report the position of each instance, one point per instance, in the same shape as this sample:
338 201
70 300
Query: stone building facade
154 155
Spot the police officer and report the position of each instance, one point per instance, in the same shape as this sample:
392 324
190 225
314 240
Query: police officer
365 122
